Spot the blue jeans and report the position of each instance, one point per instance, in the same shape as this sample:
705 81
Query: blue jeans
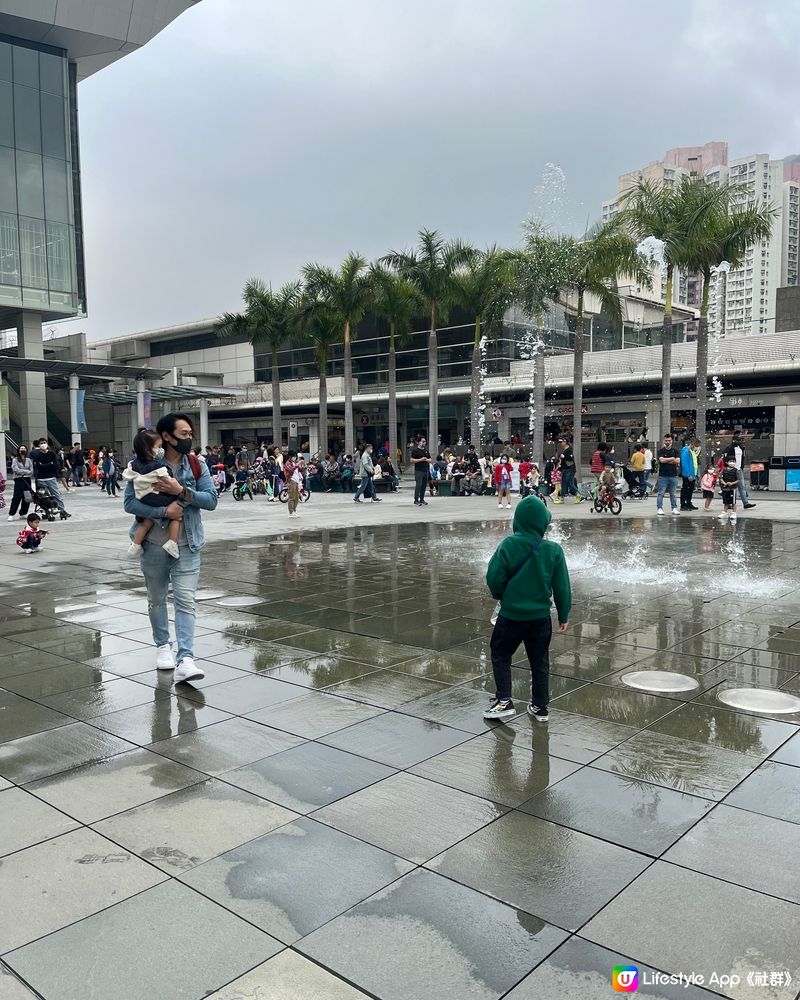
667 484
742 490
568 487
77 474
158 568
51 486
365 488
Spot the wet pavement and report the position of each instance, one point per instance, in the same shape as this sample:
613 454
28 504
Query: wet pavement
326 816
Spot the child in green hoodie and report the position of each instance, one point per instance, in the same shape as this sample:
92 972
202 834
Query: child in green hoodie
524 573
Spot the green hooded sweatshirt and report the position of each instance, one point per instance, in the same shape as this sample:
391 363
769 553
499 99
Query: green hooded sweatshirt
526 595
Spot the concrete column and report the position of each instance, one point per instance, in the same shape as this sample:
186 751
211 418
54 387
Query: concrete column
74 425
32 392
139 403
203 423
2 442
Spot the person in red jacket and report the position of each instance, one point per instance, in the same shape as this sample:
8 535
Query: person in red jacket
502 480
30 538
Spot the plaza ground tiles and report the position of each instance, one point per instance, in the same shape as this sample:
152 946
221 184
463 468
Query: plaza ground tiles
327 814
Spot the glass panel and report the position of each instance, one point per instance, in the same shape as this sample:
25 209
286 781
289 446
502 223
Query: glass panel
26 66
6 115
54 126
8 181
5 61
56 198
9 250
30 192
32 253
51 73
26 117
59 257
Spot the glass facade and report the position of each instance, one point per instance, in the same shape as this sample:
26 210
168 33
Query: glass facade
39 264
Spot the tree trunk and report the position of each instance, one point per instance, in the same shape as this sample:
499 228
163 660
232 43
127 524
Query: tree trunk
475 395
433 385
349 438
701 403
577 388
276 401
392 363
324 445
538 410
666 359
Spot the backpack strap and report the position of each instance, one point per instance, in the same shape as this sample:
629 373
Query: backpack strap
194 462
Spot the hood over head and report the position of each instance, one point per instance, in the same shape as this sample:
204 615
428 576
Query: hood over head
531 517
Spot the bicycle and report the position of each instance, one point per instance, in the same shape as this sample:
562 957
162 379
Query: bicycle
606 500
305 495
242 489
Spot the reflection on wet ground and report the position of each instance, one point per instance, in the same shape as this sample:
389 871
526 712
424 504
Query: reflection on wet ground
327 814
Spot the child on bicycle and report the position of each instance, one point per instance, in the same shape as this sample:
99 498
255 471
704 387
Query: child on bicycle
608 482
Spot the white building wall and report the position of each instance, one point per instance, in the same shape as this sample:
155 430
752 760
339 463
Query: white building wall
790 254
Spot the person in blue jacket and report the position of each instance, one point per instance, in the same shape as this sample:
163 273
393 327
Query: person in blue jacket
688 473
193 490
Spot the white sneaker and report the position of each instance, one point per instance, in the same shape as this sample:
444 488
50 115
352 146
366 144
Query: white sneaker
134 550
508 505
165 658
499 506
723 516
187 670
733 519
675 511
171 548
12 517
660 513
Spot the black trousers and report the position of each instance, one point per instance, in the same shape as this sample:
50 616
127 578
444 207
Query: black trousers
21 487
687 492
420 483
536 636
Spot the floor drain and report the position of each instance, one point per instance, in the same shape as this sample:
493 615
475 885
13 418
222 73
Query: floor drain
761 700
659 680
209 595
239 601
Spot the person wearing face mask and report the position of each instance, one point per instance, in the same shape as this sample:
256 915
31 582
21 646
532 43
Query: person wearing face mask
191 490
45 469
22 474
421 460
144 471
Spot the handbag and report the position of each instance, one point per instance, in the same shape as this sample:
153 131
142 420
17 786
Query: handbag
27 496
496 613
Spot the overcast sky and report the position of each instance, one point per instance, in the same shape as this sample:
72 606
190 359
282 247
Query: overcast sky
253 136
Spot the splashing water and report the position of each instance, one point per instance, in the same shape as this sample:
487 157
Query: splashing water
717 328
483 399
652 248
531 348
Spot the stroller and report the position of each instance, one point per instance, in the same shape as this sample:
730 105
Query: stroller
44 505
635 491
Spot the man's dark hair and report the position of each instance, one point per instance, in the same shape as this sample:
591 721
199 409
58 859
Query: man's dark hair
166 424
144 444
602 446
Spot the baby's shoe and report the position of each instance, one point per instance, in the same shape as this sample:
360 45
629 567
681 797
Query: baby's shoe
134 550
171 548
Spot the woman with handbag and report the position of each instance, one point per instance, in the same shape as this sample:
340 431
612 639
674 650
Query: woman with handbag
22 474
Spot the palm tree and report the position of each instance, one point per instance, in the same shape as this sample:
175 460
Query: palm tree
483 289
675 216
397 301
589 265
347 292
323 327
267 319
729 231
431 268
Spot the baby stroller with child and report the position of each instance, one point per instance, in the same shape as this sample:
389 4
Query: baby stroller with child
44 505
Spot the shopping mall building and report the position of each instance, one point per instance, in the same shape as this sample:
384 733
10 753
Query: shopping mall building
226 383
46 48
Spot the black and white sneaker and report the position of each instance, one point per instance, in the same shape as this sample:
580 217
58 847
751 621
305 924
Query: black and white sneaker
540 714
500 710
